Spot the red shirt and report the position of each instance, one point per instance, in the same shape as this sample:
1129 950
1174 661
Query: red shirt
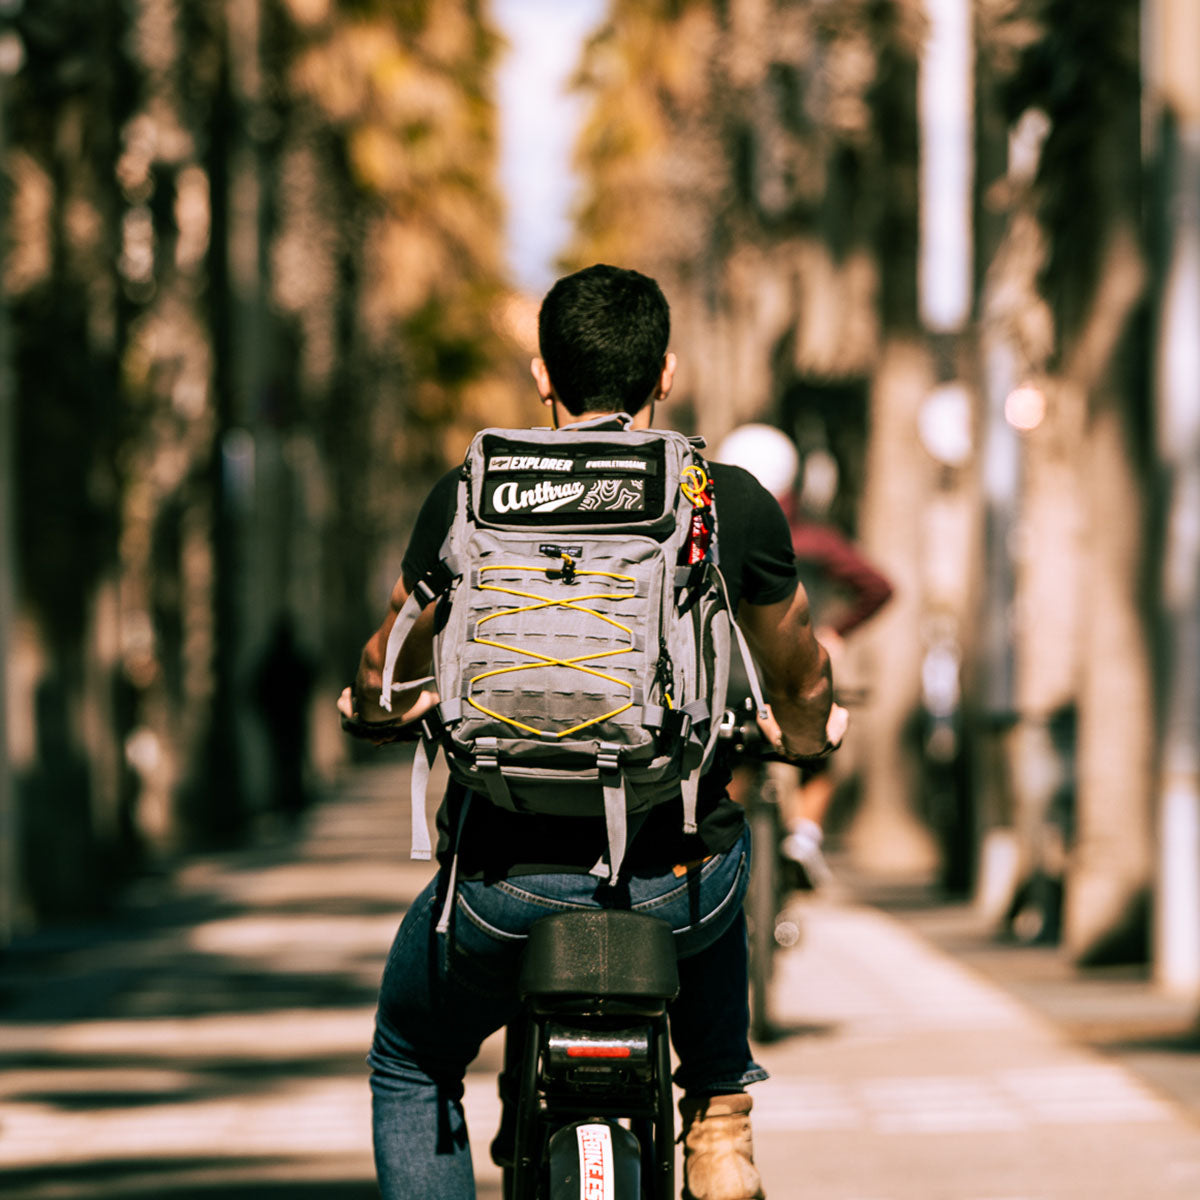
828 563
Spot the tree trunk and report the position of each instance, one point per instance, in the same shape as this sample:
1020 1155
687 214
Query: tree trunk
887 836
1110 864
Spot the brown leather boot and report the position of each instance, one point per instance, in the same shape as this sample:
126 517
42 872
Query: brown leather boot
718 1152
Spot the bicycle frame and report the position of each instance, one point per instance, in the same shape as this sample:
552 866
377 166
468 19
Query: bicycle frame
590 1053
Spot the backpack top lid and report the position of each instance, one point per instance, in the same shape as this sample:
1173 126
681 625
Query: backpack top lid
582 478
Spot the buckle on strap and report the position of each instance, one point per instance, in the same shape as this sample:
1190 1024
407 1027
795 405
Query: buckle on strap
487 760
688 582
434 582
608 758
487 754
678 724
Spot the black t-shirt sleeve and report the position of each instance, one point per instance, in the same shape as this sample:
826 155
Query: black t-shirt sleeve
433 523
753 538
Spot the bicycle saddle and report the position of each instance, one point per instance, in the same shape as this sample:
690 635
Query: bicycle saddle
600 952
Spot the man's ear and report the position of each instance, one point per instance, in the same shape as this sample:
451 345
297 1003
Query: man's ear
541 379
667 378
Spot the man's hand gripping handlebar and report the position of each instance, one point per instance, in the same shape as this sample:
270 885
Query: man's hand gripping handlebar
405 728
835 730
761 737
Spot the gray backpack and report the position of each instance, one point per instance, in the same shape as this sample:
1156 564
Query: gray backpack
584 642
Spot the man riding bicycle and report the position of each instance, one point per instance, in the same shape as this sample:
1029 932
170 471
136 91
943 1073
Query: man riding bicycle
603 335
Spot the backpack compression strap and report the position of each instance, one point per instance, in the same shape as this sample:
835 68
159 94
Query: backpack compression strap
690 784
406 618
760 703
426 591
696 759
421 847
616 800
698 753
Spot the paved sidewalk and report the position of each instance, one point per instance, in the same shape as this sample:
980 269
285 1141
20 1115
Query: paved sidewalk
911 1077
210 1039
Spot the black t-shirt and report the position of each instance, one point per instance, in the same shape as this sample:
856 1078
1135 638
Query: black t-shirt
754 548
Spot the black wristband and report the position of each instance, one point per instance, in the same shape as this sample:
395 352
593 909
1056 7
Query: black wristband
820 756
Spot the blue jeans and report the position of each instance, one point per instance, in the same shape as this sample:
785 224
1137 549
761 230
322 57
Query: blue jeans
441 997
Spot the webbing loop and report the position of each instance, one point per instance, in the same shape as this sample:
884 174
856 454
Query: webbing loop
487 759
616 809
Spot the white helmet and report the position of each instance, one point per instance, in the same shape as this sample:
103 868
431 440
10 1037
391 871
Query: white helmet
766 452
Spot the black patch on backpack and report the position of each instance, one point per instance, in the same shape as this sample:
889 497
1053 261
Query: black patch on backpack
572 485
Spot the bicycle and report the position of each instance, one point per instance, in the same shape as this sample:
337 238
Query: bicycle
591 1047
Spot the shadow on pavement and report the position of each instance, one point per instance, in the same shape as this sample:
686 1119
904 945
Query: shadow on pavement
158 1079
137 1179
226 1004
130 1179
145 961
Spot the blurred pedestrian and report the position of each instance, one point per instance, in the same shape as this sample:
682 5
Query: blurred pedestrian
844 590
283 686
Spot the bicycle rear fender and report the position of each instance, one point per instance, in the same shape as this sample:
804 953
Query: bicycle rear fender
594 1160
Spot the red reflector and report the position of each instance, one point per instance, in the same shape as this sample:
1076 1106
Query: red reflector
590 1050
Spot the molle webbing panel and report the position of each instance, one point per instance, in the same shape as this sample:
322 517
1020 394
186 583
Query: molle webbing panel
551 651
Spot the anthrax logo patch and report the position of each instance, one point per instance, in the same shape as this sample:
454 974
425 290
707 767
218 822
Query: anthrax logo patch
567 482
576 495
540 497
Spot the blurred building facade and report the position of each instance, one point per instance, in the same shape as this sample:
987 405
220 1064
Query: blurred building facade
936 238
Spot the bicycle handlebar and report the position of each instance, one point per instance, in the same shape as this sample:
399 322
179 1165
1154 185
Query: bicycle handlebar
737 727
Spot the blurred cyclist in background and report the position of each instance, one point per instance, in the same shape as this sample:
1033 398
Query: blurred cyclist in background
844 590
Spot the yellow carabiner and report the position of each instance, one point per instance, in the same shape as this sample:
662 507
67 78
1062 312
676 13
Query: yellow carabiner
693 483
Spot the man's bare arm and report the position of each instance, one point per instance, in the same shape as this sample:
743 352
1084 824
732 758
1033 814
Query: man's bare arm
796 674
415 657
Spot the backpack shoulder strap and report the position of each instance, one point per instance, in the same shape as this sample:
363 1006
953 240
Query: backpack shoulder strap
428 589
406 618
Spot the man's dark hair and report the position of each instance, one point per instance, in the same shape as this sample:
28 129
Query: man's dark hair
603 336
